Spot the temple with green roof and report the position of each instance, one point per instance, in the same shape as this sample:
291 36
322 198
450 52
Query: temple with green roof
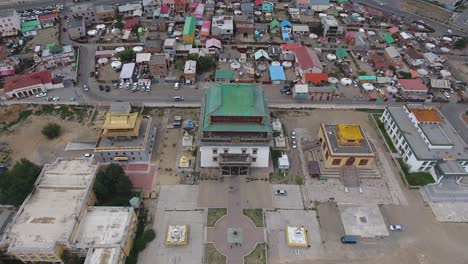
235 128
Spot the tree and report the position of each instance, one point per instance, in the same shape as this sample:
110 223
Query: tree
127 55
18 182
205 64
118 23
460 43
112 187
52 130
405 75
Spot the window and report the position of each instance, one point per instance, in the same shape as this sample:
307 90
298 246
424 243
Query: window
336 162
363 162
324 146
215 151
326 155
226 151
244 150
215 159
254 159
254 151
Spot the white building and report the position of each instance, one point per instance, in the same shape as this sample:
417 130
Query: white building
222 26
235 131
56 56
28 84
130 9
424 137
128 73
10 22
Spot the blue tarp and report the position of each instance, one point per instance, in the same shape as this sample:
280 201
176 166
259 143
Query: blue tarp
286 37
286 23
277 73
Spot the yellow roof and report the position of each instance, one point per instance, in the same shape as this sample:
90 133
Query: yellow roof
118 124
350 132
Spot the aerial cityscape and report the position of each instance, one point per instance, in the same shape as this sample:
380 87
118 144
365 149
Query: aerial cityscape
234 132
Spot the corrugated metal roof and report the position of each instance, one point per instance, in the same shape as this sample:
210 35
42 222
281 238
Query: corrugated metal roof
189 26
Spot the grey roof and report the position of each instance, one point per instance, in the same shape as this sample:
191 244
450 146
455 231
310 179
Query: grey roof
435 134
451 167
233 54
120 108
155 43
104 8
321 89
440 83
81 7
75 22
158 59
247 7
415 141
7 12
261 26
453 112
336 148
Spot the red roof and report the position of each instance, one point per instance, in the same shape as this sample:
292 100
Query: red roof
394 30
316 78
47 16
164 10
258 2
412 84
290 47
306 58
24 80
130 23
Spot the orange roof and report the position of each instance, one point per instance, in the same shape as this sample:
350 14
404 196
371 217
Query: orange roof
426 115
316 78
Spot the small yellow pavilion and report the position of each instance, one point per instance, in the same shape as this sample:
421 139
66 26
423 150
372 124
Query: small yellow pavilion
345 145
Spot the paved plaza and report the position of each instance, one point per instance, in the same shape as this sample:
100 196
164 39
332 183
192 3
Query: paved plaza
362 220
293 199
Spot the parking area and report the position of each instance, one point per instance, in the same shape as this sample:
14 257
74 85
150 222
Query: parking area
177 206
278 250
362 220
292 200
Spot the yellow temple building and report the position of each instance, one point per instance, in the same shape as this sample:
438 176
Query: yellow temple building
345 145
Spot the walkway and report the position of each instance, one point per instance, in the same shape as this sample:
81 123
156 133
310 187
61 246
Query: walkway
248 234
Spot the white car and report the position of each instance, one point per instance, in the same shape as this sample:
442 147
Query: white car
395 228
55 99
85 87
447 95
294 146
39 95
281 192
88 155
176 86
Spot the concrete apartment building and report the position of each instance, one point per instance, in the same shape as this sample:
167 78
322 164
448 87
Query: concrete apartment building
222 26
190 71
235 130
56 56
105 12
425 139
10 22
58 216
331 27
85 11
125 136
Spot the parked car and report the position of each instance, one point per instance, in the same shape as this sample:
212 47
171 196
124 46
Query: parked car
294 146
39 95
176 86
285 89
91 74
281 192
101 88
395 228
178 98
55 99
349 239
85 87
72 99
88 155
447 95
108 88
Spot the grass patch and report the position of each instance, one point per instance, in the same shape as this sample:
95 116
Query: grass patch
387 138
275 154
256 215
415 178
277 177
214 214
21 117
370 110
212 255
257 256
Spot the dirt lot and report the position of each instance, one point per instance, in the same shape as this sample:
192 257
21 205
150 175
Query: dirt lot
21 134
46 36
426 9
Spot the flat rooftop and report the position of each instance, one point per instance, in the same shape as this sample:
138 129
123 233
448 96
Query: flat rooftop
49 214
417 144
435 134
104 225
105 144
330 132
104 255
296 236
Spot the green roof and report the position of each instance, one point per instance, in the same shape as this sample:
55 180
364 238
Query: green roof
226 99
224 74
189 26
367 78
53 48
274 24
29 25
341 53
388 38
342 1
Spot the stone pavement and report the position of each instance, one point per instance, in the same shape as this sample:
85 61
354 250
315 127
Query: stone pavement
248 234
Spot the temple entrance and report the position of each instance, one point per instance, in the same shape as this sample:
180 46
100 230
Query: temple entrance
234 170
350 161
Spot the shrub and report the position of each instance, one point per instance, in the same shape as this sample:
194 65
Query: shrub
52 130
149 235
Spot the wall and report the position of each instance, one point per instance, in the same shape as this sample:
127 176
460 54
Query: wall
263 155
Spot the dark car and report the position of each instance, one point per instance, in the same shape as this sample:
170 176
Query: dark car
349 239
64 29
108 88
101 88
91 74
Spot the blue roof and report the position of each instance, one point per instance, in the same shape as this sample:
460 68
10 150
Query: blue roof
320 2
286 23
277 73
285 36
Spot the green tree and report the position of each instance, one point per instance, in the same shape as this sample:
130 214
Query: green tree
179 64
460 43
52 130
405 75
118 23
18 182
127 55
112 187
205 64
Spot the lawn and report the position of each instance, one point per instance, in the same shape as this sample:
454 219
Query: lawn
256 215
415 178
214 214
381 127
212 256
257 256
